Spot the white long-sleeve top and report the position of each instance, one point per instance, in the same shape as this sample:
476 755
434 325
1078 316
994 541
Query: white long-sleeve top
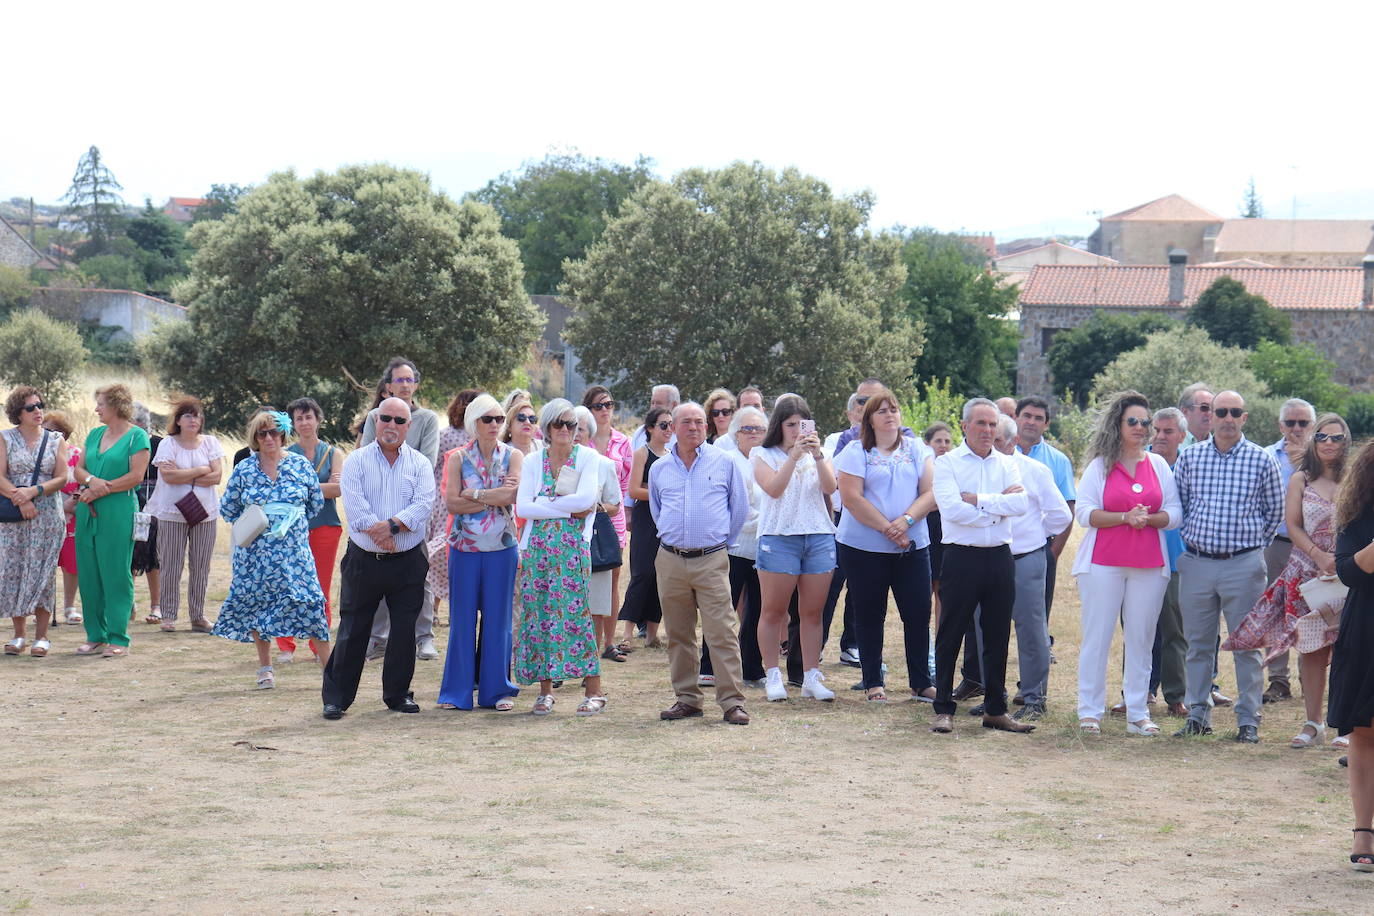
1048 513
987 524
530 505
1090 487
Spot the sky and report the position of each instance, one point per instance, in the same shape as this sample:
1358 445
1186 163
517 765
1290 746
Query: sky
1010 118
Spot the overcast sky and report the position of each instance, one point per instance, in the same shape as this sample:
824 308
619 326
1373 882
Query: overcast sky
1010 118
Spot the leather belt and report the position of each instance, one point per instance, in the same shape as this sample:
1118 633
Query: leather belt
381 555
1280 537
1219 556
693 553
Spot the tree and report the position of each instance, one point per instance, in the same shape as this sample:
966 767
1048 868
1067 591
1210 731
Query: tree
963 308
1299 371
557 207
1174 359
113 271
93 204
161 242
220 201
1234 317
1251 207
15 288
315 283
39 351
1078 354
743 275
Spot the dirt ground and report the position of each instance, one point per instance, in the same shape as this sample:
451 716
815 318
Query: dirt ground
165 783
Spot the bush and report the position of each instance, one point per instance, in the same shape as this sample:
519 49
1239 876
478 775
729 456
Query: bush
1299 371
1359 413
114 271
14 289
102 348
937 403
1079 354
1072 431
36 350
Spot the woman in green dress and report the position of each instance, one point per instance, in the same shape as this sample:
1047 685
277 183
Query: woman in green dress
111 466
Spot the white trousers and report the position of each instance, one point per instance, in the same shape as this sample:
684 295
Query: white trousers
1134 597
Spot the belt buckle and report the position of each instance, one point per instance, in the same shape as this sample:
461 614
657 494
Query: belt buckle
379 555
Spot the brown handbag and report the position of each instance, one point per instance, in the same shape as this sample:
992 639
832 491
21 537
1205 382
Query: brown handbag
192 509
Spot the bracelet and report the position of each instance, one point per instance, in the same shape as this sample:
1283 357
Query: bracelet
477 496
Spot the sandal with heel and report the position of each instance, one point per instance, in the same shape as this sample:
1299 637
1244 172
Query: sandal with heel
1362 861
1302 739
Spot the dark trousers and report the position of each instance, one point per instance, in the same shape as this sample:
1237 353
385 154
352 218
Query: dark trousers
744 580
907 575
848 637
364 582
974 578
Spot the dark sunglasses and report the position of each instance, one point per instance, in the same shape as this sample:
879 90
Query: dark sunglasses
388 418
604 405
526 418
563 424
485 418
1292 423
752 429
1139 421
264 433
30 408
722 411
859 402
1329 437
666 425
1225 412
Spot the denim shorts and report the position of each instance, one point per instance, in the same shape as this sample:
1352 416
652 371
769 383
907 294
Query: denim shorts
796 554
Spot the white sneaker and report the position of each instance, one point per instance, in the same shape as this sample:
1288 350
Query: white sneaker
775 687
850 657
375 649
286 658
812 688
425 650
706 680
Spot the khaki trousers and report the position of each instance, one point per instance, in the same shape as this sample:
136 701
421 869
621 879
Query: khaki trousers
684 587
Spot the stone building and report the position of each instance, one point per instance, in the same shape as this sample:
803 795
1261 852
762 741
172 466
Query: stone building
1147 233
1292 242
1331 308
1016 267
15 250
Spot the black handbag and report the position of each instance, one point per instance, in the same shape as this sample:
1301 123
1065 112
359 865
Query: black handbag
605 544
9 512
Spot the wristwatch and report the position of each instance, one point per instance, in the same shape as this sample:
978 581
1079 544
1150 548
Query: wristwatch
395 528
909 520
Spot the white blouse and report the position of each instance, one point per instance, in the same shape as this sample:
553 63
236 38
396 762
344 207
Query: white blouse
801 508
165 496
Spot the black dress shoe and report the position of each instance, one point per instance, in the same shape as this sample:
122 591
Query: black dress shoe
1248 734
967 689
333 712
405 704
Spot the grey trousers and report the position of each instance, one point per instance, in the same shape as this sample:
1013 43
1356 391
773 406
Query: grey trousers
1207 591
1173 647
1032 629
1275 559
424 624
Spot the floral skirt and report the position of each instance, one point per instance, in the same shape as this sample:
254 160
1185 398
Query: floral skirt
555 638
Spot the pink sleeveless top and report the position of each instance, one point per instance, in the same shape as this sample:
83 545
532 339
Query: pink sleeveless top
1122 545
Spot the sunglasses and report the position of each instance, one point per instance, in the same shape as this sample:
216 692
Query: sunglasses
404 380
722 411
1236 412
665 425
604 405
859 402
526 418
30 408
388 418
487 418
751 429
1139 421
1292 423
1329 437
269 433
563 424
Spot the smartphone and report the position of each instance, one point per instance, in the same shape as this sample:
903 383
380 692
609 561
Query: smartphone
808 428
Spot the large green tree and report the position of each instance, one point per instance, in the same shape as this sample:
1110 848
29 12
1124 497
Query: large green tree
1299 371
93 204
743 275
161 243
969 340
556 207
1235 317
314 283
1078 354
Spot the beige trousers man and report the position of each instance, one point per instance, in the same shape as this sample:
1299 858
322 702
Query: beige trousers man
684 586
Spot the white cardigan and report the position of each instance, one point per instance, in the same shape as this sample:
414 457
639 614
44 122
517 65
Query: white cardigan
528 507
1090 488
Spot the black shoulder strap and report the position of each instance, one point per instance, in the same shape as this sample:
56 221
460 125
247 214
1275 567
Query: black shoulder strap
38 462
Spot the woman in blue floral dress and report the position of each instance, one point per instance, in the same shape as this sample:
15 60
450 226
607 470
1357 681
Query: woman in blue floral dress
556 639
274 590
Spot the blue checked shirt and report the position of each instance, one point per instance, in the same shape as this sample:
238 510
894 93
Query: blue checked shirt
699 507
1231 500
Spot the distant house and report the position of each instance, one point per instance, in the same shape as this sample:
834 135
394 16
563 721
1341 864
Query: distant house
15 250
984 243
1015 267
1293 242
1331 308
183 209
1147 233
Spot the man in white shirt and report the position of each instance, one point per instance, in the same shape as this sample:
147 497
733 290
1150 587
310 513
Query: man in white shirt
978 490
388 491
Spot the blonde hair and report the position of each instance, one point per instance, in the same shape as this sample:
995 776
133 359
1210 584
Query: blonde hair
118 398
510 417
1311 465
263 419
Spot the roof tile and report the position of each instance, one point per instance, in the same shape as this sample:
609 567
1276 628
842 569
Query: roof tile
1147 286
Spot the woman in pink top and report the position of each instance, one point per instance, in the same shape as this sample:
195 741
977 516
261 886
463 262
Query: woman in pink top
1126 500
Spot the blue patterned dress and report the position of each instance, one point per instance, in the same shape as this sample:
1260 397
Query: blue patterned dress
556 639
274 590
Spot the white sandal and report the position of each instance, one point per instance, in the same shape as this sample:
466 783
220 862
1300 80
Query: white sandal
505 704
1341 742
1144 728
71 616
15 646
590 706
266 678
1303 739
1089 727
543 704
40 648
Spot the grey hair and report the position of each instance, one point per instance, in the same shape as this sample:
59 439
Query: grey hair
515 394
1171 413
671 389
852 402
1185 397
742 414
1298 403
584 415
142 418
1006 427
552 411
476 408
976 402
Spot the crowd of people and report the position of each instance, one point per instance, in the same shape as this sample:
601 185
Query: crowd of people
743 522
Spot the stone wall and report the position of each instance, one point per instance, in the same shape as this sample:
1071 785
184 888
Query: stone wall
1344 336
133 313
14 248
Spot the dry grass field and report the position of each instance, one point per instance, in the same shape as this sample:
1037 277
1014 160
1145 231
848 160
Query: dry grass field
165 783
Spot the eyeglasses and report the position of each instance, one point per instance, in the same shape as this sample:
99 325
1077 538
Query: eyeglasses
403 380
752 430
1139 421
526 418
30 408
563 424
1299 423
722 411
1225 412
388 418
1329 437
487 418
604 405
859 402
665 425
1204 408
269 433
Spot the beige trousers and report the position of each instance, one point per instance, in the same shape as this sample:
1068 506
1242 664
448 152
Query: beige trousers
684 587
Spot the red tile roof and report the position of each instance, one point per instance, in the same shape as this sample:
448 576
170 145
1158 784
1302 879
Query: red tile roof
984 243
1147 286
186 202
1170 208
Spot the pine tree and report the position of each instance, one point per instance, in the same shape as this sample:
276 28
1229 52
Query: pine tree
93 202
1252 207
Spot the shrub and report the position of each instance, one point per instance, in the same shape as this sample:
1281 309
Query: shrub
1079 354
936 403
1299 371
36 350
1359 413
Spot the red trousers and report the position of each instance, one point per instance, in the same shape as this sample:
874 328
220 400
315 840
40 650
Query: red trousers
324 546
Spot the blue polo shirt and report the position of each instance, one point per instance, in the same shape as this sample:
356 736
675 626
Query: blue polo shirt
1059 464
